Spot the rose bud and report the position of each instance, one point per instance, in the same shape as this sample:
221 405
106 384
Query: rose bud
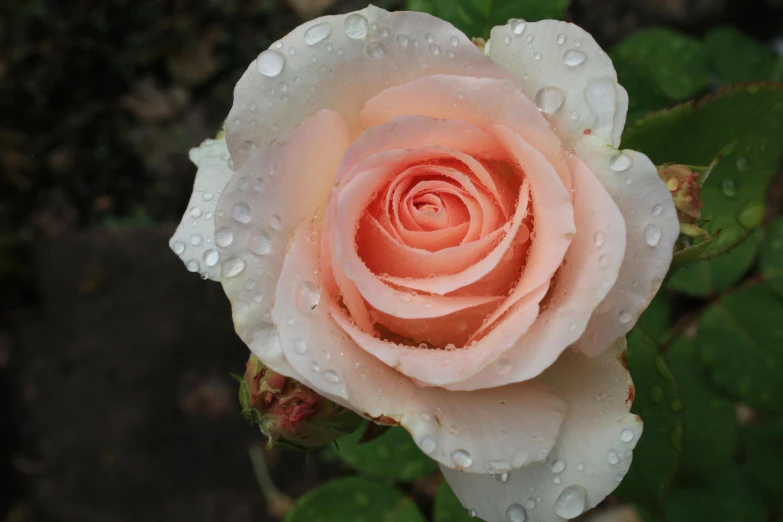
685 188
289 413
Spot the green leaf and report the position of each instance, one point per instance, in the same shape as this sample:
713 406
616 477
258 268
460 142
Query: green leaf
736 58
690 254
745 124
674 62
740 341
447 507
354 499
763 454
654 322
657 455
643 95
393 455
478 17
710 276
710 420
772 257
724 497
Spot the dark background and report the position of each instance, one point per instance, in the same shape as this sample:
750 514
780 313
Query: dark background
115 399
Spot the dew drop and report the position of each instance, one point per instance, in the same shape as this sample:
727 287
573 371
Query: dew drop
612 457
223 237
580 466
355 26
529 38
561 38
211 257
241 212
178 247
232 267
626 435
403 40
503 366
537 56
742 164
558 466
729 188
196 240
314 367
549 99
427 444
624 316
620 162
374 50
656 210
260 243
435 49
429 38
604 261
454 41
516 513
652 234
518 27
531 503
275 222
195 212
573 58
461 458
599 238
192 265
331 377
270 63
472 513
317 33
300 346
571 502
507 40
502 477
307 297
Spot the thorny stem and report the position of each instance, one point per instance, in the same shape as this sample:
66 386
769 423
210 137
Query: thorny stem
278 502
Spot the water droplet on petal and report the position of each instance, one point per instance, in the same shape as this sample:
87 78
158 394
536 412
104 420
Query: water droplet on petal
503 366
604 261
178 247
195 212
549 99
223 237
502 477
317 33
454 41
537 56
558 466
232 267
561 38
571 502
403 40
573 58
435 49
241 212
624 316
652 234
307 297
260 243
355 26
656 210
275 222
620 162
531 503
331 377
374 50
270 63
516 513
192 265
507 40
612 457
626 435
461 458
314 367
211 257
300 346
599 238
518 27
427 444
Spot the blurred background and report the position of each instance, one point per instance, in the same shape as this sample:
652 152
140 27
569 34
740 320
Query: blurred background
116 402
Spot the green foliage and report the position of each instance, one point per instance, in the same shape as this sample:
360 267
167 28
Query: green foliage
447 508
772 257
674 63
656 457
478 17
710 421
709 276
739 340
745 125
735 58
352 499
393 455
762 452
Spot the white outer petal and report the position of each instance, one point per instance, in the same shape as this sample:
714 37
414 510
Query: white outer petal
193 240
592 97
595 390
342 73
651 229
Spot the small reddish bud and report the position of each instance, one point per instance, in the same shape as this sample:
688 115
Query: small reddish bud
682 183
290 413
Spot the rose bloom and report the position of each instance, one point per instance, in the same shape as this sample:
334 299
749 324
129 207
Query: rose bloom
445 238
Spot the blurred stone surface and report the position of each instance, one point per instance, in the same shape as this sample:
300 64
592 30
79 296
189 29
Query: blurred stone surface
129 410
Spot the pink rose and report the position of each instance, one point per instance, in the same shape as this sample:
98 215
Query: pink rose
419 231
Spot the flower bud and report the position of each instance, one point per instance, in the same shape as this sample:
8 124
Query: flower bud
288 412
685 189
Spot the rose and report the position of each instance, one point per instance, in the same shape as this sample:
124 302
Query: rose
419 231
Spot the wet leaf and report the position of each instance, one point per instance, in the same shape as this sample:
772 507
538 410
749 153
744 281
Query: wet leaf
447 507
772 257
736 58
352 499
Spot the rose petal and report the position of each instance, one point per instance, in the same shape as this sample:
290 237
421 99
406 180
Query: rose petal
339 62
652 228
592 454
480 101
590 268
269 196
450 427
193 240
572 80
